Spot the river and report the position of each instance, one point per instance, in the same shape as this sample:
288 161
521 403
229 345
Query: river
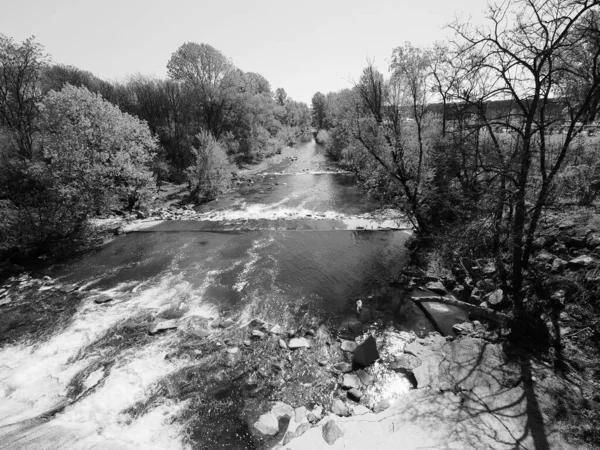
298 246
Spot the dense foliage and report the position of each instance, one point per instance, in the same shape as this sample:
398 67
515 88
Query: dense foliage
73 146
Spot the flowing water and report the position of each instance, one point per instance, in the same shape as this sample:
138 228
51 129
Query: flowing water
299 245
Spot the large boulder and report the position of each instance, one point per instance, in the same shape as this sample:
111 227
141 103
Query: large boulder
366 353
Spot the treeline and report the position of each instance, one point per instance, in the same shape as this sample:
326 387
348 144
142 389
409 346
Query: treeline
477 179
73 145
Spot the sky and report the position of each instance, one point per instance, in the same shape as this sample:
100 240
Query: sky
302 46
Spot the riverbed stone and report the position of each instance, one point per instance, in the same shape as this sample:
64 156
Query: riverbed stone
496 299
276 329
282 344
354 394
103 298
331 432
256 334
581 261
405 362
366 353
339 408
343 367
351 381
163 326
365 378
298 343
267 424
349 346
360 410
380 406
281 409
437 287
300 414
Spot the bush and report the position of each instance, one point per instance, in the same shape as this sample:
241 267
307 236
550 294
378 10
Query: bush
91 157
323 138
211 174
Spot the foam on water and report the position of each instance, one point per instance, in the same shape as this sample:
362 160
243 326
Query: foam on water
34 378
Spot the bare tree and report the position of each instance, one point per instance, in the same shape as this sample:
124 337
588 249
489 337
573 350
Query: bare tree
526 56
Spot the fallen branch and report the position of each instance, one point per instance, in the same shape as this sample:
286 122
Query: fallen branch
478 310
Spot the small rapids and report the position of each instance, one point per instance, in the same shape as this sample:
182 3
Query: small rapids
151 342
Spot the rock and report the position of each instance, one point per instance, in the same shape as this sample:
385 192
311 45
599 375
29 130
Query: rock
489 268
544 257
163 325
331 432
267 424
349 346
102 298
343 367
558 265
300 414
365 378
275 330
405 362
302 428
199 332
118 231
288 437
68 288
366 353
257 322
354 394
581 261
5 301
227 323
281 409
380 406
475 296
339 407
351 382
233 350
360 410
282 344
558 298
350 328
463 328
247 343
593 240
257 334
298 343
437 287
496 299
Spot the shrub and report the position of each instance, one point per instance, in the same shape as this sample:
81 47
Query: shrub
211 173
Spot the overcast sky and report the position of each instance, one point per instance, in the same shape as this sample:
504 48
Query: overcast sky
302 46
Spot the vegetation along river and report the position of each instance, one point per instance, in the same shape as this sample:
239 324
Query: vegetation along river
296 247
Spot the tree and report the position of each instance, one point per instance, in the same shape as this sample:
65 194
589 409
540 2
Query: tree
210 175
528 56
212 79
20 70
101 152
319 111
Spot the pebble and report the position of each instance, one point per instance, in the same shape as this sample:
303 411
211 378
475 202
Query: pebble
298 343
282 344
